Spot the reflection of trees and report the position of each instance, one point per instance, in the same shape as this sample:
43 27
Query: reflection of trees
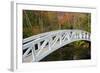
73 51
81 49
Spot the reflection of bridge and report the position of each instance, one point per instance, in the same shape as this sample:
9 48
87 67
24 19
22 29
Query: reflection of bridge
39 46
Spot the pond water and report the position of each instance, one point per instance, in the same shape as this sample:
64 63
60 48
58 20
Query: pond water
79 50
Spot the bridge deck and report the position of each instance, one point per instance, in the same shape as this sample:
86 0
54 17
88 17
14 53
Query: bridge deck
28 59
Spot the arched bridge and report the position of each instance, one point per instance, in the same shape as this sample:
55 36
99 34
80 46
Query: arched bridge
41 45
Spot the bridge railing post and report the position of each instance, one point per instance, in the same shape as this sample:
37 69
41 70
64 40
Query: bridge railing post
49 43
77 35
60 38
33 54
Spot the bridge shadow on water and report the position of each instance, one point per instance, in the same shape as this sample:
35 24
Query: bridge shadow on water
78 50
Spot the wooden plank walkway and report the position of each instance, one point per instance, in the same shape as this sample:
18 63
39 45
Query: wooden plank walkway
27 59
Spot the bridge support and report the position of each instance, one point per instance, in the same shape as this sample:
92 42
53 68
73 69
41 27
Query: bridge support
33 54
43 44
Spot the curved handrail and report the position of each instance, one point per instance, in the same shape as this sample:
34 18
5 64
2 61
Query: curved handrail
52 41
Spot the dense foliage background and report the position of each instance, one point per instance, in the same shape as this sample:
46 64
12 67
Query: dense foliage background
35 22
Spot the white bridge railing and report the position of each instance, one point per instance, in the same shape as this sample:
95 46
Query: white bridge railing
39 46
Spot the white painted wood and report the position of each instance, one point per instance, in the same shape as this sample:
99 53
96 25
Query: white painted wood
53 44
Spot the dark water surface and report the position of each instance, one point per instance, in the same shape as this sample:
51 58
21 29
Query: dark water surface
74 51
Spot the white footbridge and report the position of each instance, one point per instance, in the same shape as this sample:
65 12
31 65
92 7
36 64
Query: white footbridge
36 47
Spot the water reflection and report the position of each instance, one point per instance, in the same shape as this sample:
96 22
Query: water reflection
78 50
